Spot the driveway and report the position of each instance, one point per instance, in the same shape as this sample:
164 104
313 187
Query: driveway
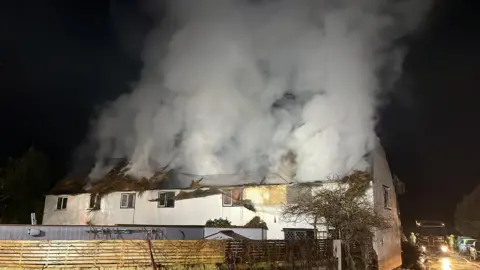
454 262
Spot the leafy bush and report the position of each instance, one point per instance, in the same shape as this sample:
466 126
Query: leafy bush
256 222
219 223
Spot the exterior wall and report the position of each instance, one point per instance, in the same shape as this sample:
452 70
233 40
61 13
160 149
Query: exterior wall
183 233
195 211
73 215
388 242
268 201
20 232
84 232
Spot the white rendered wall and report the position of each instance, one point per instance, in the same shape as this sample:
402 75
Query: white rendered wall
388 242
194 211
73 215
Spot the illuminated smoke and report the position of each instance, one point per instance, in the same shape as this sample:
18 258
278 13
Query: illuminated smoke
240 84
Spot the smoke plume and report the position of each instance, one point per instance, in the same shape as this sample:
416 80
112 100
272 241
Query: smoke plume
243 85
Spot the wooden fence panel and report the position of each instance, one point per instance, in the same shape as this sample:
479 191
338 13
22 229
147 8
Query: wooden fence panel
188 252
108 253
167 253
309 253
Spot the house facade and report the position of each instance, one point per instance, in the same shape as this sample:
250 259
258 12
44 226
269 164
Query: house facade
195 206
132 232
387 243
160 207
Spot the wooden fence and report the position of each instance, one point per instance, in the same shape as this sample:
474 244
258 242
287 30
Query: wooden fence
303 254
161 253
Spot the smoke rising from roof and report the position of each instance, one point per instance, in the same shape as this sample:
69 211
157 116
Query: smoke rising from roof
243 85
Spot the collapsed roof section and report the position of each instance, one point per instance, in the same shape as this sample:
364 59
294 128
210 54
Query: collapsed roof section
117 179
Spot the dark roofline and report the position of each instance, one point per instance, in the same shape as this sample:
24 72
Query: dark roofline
166 226
180 226
89 226
317 183
107 185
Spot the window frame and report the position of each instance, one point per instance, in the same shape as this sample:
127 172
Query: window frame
127 195
166 199
97 201
62 201
227 194
386 197
234 197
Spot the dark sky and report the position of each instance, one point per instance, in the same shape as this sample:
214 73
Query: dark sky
429 129
60 60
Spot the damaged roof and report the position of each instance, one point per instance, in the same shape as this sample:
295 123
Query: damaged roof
115 180
118 180
197 193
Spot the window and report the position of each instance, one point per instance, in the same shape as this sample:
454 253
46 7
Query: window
95 201
62 203
386 197
298 234
127 200
165 199
232 197
227 198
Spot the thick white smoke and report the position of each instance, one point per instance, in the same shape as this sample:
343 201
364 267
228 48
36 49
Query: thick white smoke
241 83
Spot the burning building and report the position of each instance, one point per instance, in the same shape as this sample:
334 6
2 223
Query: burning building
117 199
242 93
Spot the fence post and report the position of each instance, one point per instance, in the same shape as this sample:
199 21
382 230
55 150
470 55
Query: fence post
337 252
152 260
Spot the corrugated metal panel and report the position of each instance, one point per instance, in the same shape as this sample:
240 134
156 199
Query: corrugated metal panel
183 233
20 232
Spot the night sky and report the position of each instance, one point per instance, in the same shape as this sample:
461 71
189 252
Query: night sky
61 60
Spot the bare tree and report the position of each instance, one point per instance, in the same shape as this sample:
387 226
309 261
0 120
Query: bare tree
345 208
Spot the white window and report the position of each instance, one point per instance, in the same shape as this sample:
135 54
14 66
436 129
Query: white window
62 203
232 197
95 201
227 198
165 199
127 200
386 197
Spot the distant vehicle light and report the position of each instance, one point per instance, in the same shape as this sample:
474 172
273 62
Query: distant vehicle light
444 248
